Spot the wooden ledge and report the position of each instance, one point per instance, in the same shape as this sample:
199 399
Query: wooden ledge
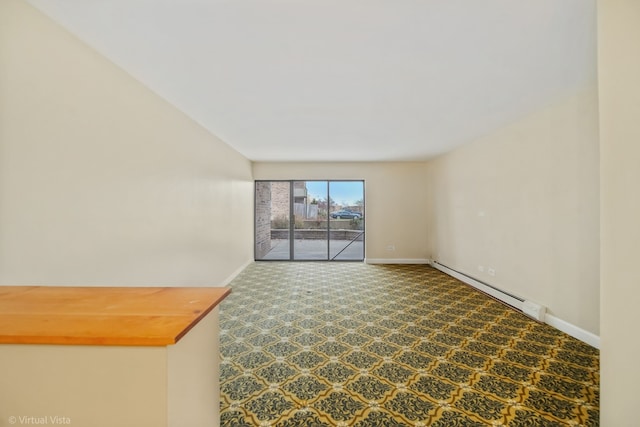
138 316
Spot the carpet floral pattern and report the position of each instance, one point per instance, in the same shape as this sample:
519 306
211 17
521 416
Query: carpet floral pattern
351 344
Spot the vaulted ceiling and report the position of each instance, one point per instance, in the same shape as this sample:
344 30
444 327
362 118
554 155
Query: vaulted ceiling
336 80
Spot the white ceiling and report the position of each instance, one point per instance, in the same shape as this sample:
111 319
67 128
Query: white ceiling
345 80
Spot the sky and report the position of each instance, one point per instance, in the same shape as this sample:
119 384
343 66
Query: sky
342 192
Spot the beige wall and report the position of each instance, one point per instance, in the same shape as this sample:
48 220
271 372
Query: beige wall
524 201
396 209
619 91
101 181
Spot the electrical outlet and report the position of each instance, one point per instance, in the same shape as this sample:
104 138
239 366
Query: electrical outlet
391 248
491 271
481 268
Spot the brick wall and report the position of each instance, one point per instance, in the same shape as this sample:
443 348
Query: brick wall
280 200
263 218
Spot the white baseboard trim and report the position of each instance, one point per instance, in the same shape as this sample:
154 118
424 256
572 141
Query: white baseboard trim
396 261
571 329
235 273
515 302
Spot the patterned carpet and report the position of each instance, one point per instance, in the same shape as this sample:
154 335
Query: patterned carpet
351 344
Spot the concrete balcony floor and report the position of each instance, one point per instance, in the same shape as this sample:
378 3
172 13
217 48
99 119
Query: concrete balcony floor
316 249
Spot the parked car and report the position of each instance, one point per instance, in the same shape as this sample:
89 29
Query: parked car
346 215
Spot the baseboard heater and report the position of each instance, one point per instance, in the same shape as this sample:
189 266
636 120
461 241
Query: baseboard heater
531 309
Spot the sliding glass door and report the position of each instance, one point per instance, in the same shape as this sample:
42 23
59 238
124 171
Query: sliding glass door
309 220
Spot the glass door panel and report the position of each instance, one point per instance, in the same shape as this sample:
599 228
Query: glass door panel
273 220
311 240
346 220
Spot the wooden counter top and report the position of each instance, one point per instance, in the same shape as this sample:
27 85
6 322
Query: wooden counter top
138 316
